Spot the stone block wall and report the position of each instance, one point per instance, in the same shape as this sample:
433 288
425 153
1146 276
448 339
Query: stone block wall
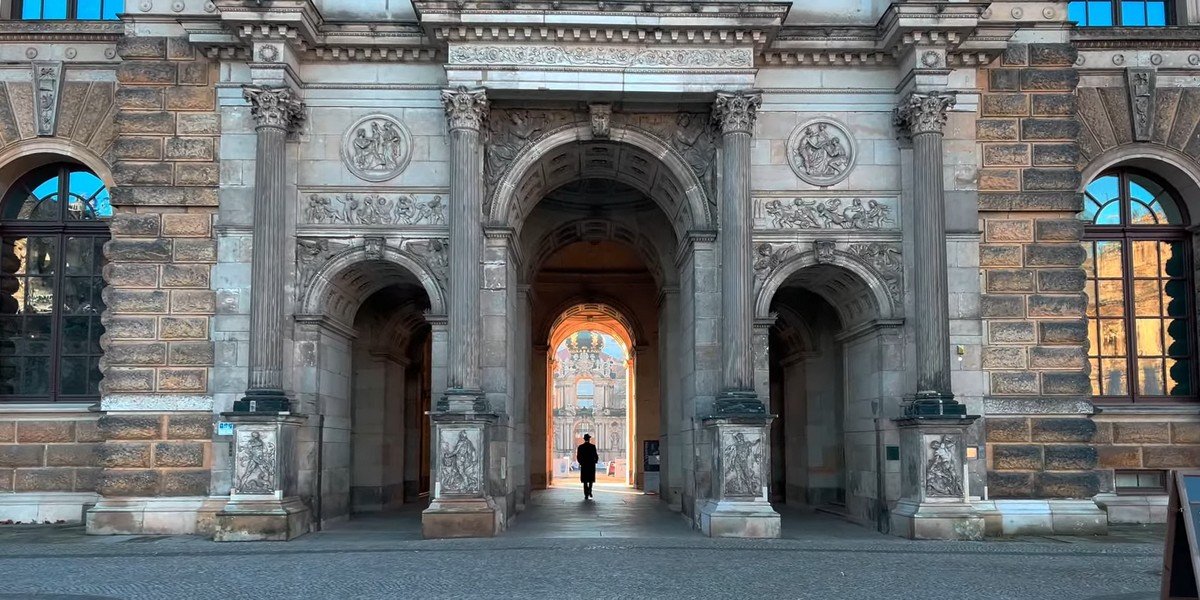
1039 439
42 454
158 348
154 455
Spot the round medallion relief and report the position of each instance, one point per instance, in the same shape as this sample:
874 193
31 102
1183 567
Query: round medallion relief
821 151
376 148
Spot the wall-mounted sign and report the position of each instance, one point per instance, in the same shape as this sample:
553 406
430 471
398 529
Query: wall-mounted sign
224 428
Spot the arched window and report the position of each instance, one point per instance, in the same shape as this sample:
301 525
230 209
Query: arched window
1138 267
53 225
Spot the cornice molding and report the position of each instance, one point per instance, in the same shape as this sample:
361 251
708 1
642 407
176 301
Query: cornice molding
61 31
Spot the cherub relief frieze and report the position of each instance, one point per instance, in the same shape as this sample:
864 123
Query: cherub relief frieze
374 209
829 213
821 152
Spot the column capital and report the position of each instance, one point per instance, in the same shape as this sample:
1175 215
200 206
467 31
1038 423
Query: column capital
735 112
465 108
923 112
274 106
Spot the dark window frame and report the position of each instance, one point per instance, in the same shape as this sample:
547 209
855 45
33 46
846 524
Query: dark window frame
1126 234
1163 474
18 9
62 229
1170 15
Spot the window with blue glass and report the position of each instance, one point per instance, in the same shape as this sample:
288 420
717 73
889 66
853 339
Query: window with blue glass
1138 271
1120 13
53 225
81 10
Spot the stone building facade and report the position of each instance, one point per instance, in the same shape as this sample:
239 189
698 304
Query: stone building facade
929 264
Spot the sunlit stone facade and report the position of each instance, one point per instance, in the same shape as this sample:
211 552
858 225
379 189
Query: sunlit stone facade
846 244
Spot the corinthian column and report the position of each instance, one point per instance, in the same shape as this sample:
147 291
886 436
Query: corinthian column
466 111
735 113
923 118
275 111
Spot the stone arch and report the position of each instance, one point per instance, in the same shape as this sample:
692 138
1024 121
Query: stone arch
598 309
584 230
794 331
1178 169
343 282
854 288
628 154
22 157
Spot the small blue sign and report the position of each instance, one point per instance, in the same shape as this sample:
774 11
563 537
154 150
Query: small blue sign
224 428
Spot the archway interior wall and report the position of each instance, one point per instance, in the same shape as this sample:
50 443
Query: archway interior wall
837 386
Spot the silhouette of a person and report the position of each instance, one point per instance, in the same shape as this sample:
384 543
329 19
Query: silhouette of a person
587 457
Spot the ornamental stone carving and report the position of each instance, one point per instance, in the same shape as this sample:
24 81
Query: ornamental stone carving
255 465
923 113
886 260
824 250
768 258
602 56
465 108
436 255
512 130
373 209
47 81
274 107
601 119
376 148
830 213
821 152
943 474
735 112
311 255
742 463
460 463
1141 84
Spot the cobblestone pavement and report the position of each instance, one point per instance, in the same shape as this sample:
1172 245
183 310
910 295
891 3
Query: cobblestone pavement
821 558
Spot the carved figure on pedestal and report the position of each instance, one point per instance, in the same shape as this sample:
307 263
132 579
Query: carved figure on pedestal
741 466
942 477
459 472
257 466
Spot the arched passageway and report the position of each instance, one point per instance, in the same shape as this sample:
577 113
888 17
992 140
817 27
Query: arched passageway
831 350
365 369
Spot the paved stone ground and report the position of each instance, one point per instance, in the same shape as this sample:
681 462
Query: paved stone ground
622 545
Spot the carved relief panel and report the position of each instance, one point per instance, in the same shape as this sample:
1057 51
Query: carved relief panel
376 148
943 470
821 151
741 461
460 461
835 214
373 209
256 461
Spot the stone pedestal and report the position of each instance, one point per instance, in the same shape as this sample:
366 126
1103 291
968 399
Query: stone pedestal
934 503
263 505
461 505
737 505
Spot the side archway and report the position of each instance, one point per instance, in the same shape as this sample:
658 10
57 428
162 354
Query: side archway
848 283
341 284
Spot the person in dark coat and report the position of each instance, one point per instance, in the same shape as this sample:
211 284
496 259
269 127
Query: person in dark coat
587 457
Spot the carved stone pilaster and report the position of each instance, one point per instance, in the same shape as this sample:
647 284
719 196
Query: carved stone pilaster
274 107
466 111
735 113
465 108
276 111
923 118
923 113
